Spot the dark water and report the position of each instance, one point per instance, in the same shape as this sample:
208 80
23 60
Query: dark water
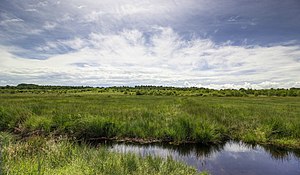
231 158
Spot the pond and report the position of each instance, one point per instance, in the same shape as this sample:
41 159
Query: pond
231 158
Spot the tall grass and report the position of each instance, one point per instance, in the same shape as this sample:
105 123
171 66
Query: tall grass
267 120
40 155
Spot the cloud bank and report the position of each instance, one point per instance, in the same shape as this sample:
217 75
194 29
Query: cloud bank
145 43
164 58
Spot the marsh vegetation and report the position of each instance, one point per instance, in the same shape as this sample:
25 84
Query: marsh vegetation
38 119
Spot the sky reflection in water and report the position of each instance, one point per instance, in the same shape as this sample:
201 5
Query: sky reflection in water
225 159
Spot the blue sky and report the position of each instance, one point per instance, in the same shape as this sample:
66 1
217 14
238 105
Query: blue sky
215 44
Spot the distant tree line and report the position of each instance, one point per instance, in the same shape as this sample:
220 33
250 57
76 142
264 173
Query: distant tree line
151 90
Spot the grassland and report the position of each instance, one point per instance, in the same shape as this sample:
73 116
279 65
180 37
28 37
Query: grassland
40 155
265 120
89 116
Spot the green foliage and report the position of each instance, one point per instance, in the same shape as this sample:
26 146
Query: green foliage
158 113
5 119
39 155
166 118
150 90
93 127
11 117
42 123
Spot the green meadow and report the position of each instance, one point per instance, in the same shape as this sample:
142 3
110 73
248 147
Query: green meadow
39 131
265 120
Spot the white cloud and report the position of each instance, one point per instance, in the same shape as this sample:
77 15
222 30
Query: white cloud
130 57
76 43
66 17
112 14
31 10
49 25
9 21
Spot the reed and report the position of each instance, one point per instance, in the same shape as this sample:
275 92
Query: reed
43 155
265 120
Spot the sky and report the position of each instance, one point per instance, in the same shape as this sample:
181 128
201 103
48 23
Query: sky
200 43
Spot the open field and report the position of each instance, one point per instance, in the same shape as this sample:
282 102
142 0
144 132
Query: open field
38 121
265 120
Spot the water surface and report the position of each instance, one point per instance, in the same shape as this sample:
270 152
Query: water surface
231 158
